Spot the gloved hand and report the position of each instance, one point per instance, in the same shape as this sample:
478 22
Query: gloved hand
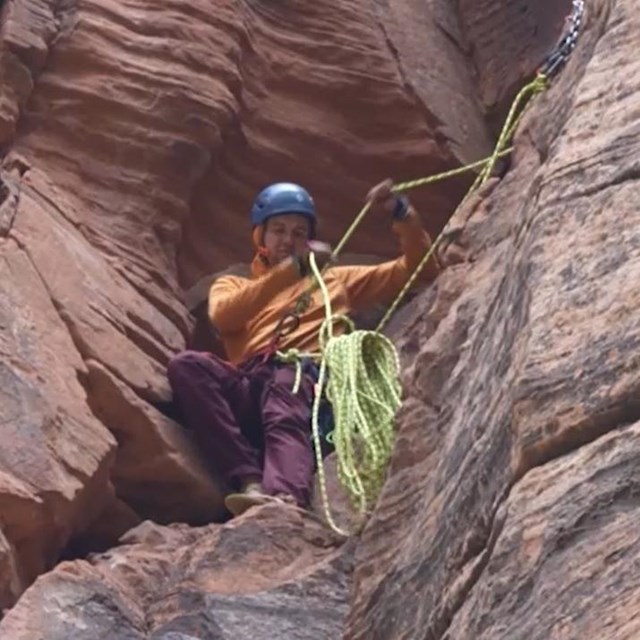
381 195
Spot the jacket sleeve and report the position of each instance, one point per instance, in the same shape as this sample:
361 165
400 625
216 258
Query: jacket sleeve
378 284
233 301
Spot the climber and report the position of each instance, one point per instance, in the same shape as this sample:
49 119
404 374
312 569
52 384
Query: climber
250 423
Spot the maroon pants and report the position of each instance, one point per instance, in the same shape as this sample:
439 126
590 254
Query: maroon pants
248 420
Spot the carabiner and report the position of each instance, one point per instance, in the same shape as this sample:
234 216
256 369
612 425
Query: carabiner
289 322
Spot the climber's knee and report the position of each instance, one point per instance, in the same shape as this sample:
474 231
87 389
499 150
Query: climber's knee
182 366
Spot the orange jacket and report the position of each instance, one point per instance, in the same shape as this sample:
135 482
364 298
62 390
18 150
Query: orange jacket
245 311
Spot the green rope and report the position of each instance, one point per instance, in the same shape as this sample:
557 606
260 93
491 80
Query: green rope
303 302
295 357
537 85
364 387
364 391
421 182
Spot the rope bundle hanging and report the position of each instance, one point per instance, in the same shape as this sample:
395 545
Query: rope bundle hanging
364 391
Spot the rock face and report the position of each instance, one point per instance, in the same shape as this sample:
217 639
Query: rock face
55 456
181 582
508 510
134 138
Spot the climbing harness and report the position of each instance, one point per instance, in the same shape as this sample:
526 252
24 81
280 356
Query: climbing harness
364 388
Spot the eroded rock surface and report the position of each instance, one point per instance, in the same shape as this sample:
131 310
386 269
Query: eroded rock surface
55 456
273 573
134 139
135 136
529 352
568 550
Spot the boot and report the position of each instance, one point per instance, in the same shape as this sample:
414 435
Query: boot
250 496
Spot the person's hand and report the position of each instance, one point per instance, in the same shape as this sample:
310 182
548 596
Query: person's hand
382 196
321 251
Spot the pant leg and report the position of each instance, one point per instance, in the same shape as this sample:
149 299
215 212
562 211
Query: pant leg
215 398
286 420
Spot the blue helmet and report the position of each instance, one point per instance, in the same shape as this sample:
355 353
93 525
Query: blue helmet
283 197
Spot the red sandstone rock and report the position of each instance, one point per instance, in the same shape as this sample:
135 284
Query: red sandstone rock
274 573
55 456
135 138
496 534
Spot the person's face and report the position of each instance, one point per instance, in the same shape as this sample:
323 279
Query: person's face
285 235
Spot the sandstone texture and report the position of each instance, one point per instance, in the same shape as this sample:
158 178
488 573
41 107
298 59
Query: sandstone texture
134 137
509 507
270 574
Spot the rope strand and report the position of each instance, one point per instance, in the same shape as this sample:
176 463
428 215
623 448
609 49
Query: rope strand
536 86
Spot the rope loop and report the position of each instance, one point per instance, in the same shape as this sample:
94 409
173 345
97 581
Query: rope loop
364 391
